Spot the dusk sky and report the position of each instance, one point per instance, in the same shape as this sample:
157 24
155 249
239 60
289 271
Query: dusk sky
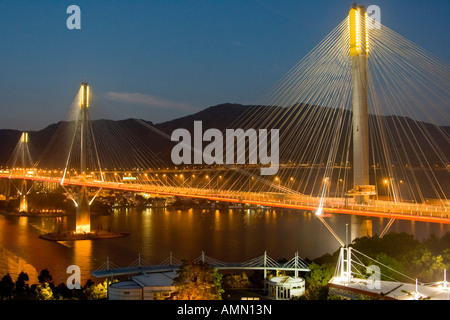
159 60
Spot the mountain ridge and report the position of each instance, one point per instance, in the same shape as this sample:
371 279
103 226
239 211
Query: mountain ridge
219 116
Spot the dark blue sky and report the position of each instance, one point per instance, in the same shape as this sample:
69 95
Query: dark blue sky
168 58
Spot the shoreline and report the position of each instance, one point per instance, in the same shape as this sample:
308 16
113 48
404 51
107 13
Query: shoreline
46 214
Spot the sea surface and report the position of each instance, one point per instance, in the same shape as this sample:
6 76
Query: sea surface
228 235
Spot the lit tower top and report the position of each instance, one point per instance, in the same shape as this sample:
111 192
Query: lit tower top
84 105
84 95
24 138
359 36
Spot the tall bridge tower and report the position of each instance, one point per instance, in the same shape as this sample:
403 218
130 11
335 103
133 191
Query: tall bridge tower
359 49
83 217
23 203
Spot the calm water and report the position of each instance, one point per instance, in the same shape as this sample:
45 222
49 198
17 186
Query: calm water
227 235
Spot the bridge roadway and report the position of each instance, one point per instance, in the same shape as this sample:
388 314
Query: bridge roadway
436 213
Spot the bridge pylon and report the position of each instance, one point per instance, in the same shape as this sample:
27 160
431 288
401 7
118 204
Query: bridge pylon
359 49
83 215
25 163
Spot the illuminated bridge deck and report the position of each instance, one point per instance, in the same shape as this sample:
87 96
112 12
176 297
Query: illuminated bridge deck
436 213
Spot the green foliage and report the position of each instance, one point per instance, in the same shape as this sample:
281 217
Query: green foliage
43 291
328 258
46 290
96 291
197 281
438 245
236 281
392 263
317 281
401 252
393 244
428 267
397 254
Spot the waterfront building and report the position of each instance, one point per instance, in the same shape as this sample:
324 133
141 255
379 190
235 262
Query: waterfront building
149 286
285 287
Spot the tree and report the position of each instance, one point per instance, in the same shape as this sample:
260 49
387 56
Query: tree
396 245
44 276
96 291
395 270
61 292
236 281
43 292
6 287
22 290
436 245
428 267
446 258
317 281
197 280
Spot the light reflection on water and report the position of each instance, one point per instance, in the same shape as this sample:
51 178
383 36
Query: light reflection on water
227 235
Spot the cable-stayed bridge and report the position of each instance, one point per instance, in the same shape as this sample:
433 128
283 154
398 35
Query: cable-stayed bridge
381 208
337 151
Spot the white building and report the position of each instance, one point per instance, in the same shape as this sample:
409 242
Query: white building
125 290
285 287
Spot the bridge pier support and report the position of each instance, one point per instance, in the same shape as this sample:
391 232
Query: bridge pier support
23 199
83 218
361 226
7 189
